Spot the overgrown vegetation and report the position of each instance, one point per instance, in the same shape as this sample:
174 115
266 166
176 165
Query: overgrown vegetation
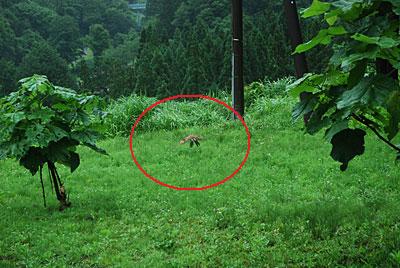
43 124
359 89
265 101
284 208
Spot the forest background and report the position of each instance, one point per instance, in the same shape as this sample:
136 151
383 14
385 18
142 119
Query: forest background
178 47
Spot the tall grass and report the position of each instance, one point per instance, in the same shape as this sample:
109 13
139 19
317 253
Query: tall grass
266 106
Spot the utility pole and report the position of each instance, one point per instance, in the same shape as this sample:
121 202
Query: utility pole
296 39
237 57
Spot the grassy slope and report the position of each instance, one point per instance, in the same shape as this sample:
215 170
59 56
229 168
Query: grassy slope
290 205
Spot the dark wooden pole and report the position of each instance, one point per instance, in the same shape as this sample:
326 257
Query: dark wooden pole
237 57
384 66
296 39
294 31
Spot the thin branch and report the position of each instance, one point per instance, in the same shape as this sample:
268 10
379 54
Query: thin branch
58 177
41 181
365 122
54 177
51 181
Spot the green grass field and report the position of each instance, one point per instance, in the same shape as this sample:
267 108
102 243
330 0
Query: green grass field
289 205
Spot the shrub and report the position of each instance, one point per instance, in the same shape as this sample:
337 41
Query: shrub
268 89
43 124
167 116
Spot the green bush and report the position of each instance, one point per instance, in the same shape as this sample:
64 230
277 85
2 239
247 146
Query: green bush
42 124
123 113
167 116
268 89
266 106
271 113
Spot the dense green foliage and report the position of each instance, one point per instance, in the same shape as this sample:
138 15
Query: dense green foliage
359 88
43 124
189 45
49 37
262 100
277 212
182 46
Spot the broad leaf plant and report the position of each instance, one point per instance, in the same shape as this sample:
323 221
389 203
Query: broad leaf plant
359 88
42 124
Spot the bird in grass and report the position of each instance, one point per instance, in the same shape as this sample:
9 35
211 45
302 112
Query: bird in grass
193 139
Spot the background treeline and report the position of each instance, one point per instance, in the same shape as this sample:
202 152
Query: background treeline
182 46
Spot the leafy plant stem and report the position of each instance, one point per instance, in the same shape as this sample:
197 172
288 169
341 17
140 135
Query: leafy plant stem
41 181
58 186
365 122
52 169
51 182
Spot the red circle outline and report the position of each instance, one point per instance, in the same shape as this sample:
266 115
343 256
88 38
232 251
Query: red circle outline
190 188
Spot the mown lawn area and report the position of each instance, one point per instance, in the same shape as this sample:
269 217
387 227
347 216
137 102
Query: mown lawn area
289 205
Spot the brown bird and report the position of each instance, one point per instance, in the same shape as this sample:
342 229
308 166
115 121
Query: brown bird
193 139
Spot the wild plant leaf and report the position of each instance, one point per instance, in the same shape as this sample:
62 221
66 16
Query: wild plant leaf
303 107
336 128
347 144
370 90
371 54
316 8
95 148
357 73
351 9
15 117
332 16
32 160
44 115
350 81
312 43
72 161
338 30
318 120
383 41
394 110
38 122
323 37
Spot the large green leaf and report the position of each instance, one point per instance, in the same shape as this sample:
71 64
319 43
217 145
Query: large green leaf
358 94
15 117
44 115
323 37
41 115
347 144
32 160
332 16
370 54
316 8
336 30
303 107
95 148
318 120
370 90
382 41
301 85
350 9
394 110
72 161
357 73
336 128
312 43
350 83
